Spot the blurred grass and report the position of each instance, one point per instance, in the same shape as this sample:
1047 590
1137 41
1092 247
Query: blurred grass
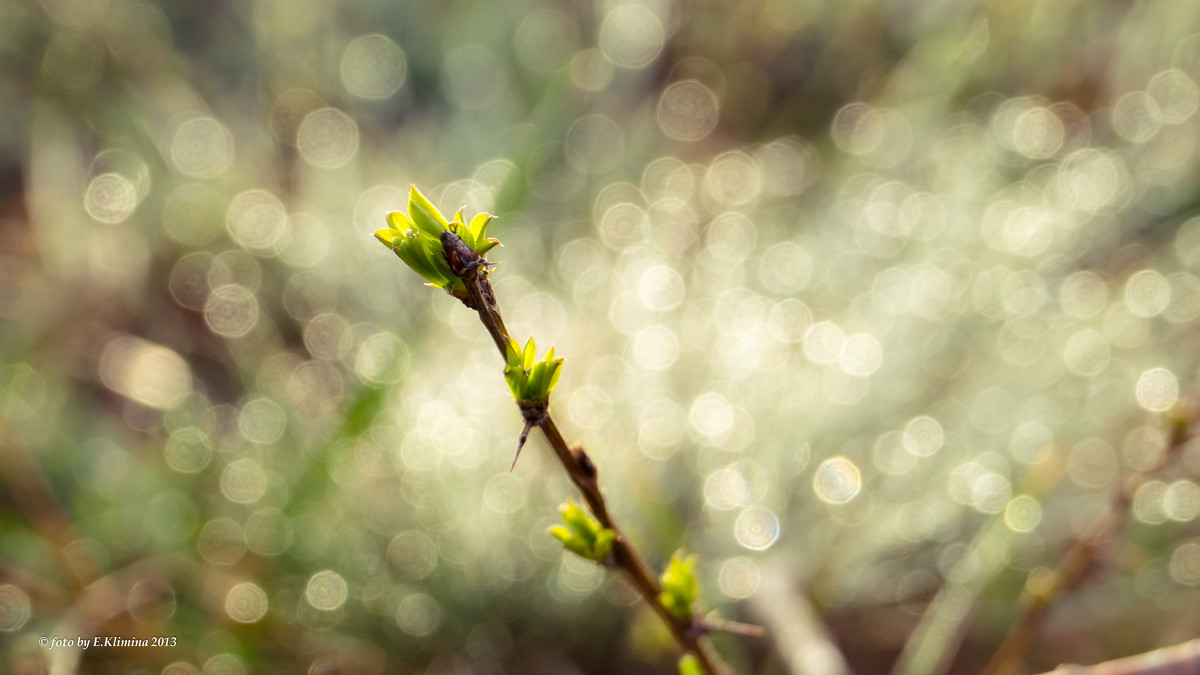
769 238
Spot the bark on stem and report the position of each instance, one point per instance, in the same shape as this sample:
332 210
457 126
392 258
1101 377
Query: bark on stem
583 474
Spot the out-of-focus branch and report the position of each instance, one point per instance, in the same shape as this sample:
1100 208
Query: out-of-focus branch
1181 659
805 645
1037 598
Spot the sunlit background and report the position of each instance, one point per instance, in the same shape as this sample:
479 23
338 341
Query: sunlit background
870 305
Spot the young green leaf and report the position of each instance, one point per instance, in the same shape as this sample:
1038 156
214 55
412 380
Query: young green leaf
583 535
690 665
425 215
529 355
679 587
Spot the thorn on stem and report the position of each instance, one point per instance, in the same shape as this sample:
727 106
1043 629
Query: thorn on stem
534 413
521 444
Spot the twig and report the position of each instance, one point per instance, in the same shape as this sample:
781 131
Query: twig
1079 560
579 466
1181 659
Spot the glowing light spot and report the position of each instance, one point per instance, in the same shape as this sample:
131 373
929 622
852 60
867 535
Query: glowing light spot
145 372
739 578
224 664
373 67
222 541
1175 96
861 355
189 280
576 579
246 603
1147 293
256 220
687 110
789 166
923 436
589 407
268 532
1083 294
289 111
730 237
631 36
202 148
413 554
327 138
733 178
231 311
1185 298
824 342
327 337
837 481
656 348
1086 353
326 590
1038 133
15 608
243 481
382 359
724 490
890 456
786 267
1148 502
261 421
72 63
590 70
990 492
110 198
661 428
1157 390
1022 514
504 493
418 615
545 40
1182 501
756 528
624 225
1185 564
711 414
879 137
594 144
1093 180
187 450
789 321
1135 117
661 288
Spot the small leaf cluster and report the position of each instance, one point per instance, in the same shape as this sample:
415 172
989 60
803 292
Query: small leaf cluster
690 665
679 587
583 535
416 238
529 379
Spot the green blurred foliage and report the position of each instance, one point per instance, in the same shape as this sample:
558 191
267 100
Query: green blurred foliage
870 296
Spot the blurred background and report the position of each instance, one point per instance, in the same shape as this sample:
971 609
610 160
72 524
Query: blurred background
871 305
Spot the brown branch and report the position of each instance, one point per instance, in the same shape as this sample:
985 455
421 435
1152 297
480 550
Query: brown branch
1079 559
579 467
